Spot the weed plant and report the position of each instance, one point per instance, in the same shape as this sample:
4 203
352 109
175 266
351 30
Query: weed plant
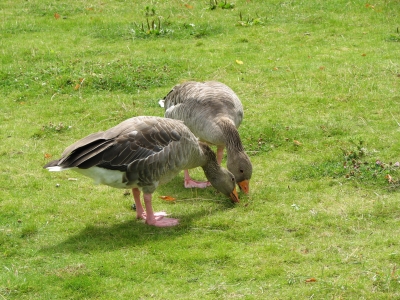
319 81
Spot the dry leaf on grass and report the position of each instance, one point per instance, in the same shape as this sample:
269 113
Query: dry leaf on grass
297 143
168 198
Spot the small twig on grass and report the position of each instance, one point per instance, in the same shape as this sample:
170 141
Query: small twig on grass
197 228
366 124
80 86
52 97
395 119
352 254
197 199
145 279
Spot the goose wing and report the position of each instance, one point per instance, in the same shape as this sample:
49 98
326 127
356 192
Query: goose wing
211 100
115 149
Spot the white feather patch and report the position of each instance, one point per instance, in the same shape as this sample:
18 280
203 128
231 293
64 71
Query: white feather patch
104 176
161 102
56 169
169 110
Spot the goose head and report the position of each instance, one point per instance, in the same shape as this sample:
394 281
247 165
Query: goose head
225 183
242 169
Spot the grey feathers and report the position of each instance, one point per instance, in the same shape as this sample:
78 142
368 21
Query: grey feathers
213 112
145 148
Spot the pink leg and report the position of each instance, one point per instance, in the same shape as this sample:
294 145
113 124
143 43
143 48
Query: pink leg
138 203
140 213
152 219
220 154
190 183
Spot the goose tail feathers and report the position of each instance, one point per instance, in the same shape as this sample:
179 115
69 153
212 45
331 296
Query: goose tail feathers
54 167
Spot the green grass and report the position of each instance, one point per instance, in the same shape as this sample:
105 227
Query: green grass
320 83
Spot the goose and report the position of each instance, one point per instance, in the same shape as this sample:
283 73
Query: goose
213 112
141 153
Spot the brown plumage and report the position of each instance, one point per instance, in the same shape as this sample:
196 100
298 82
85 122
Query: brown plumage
141 153
213 112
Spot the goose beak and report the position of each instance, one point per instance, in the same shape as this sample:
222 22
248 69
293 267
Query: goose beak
244 186
234 196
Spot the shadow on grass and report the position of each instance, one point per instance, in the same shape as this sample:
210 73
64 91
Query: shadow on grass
129 233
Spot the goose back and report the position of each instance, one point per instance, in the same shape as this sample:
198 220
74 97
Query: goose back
202 105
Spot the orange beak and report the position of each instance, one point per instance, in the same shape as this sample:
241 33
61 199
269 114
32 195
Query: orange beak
234 196
244 186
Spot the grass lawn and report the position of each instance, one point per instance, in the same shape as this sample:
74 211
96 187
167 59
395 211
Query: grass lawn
320 84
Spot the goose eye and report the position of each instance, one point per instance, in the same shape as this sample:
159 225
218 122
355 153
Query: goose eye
241 171
232 179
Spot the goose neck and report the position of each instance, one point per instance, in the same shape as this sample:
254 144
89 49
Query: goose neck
210 166
232 139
